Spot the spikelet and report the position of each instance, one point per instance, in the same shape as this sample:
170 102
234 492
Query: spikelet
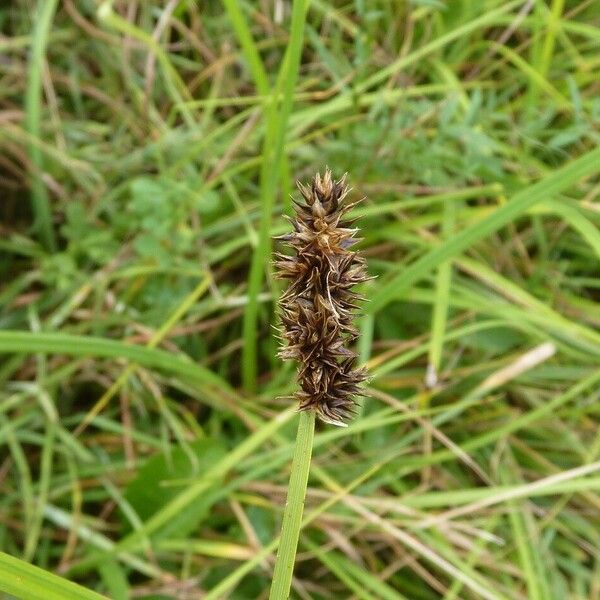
317 308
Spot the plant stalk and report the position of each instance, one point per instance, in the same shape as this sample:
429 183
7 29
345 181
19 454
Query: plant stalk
42 211
294 507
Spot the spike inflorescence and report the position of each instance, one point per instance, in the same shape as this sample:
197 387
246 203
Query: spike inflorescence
317 309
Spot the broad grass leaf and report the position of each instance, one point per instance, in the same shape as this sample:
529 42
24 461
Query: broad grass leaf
160 479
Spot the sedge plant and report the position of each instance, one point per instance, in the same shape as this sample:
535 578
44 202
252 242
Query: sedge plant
317 312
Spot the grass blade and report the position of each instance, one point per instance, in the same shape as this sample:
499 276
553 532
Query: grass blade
270 175
251 53
77 345
23 580
33 108
442 300
554 183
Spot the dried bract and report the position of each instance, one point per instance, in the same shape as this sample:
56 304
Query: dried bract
317 309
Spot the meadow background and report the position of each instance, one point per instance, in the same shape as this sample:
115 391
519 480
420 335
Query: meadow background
148 150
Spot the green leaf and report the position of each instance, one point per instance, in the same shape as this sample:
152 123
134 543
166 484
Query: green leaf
162 477
115 579
76 345
29 582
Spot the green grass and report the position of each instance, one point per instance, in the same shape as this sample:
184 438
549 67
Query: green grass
23 580
146 427
33 111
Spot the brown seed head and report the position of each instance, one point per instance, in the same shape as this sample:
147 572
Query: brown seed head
318 307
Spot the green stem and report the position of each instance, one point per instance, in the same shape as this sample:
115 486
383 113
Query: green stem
33 106
294 507
270 174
